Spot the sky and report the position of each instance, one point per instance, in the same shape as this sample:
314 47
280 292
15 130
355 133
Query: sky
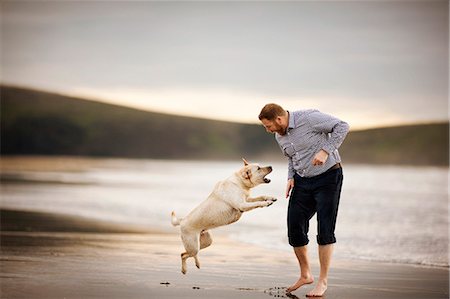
370 63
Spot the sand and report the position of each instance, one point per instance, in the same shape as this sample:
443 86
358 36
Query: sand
49 256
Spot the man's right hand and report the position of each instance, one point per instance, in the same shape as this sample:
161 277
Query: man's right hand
290 185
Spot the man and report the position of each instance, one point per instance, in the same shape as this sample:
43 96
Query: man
310 139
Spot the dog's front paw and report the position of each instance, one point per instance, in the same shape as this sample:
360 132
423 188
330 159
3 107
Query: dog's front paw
270 201
270 198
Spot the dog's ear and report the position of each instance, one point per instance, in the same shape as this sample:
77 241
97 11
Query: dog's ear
245 162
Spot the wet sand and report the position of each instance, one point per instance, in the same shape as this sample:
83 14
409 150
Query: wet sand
50 256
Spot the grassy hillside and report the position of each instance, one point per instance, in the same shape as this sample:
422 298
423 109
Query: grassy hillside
413 145
36 122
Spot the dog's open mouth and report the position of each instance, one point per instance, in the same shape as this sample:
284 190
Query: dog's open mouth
266 180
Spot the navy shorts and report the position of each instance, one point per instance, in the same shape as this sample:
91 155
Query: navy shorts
319 194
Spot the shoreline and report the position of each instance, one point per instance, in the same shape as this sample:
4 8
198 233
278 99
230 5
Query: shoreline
15 162
120 263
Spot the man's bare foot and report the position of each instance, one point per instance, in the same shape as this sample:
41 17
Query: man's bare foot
301 281
319 289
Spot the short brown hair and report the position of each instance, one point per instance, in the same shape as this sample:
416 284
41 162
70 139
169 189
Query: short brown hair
271 111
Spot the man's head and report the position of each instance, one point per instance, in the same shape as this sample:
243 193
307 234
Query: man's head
274 118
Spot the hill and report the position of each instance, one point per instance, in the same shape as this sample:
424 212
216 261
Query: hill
36 122
426 144
41 123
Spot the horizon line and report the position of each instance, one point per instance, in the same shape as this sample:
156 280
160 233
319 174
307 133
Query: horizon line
108 102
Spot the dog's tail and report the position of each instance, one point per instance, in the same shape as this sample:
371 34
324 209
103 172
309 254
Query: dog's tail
175 220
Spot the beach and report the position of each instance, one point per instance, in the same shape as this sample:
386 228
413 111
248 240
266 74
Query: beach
77 258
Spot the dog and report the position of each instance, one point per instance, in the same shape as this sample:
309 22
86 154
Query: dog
225 205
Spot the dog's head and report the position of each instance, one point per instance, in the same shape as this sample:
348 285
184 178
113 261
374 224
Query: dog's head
252 174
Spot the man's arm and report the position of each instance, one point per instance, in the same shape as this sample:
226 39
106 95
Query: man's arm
324 123
291 172
290 182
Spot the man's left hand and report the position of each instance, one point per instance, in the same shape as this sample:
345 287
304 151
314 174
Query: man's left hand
320 158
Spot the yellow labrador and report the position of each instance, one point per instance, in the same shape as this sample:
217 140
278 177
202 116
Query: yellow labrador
229 199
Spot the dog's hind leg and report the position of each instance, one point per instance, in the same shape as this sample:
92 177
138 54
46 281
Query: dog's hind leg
197 263
184 256
191 244
205 239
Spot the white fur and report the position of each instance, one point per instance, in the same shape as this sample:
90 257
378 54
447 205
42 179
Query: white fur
225 205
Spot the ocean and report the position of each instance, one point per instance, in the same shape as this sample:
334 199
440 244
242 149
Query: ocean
395 214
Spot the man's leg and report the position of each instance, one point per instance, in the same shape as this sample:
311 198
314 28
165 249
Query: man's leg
327 208
325 252
305 271
302 207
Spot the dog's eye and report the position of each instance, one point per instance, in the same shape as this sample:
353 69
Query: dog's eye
259 168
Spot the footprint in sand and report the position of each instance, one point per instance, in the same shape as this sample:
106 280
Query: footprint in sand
279 292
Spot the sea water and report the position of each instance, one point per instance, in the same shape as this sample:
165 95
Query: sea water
386 213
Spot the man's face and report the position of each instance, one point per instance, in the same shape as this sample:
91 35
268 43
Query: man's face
274 126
